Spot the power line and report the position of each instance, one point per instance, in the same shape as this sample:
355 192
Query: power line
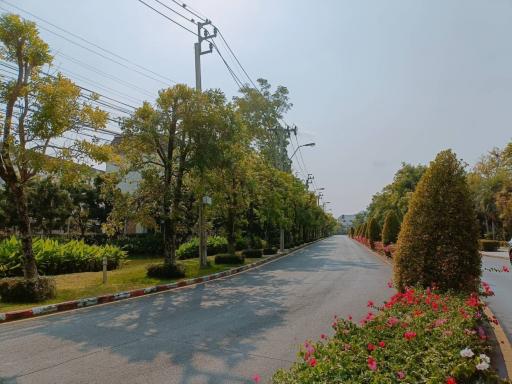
190 10
167 17
236 58
105 74
176 12
90 43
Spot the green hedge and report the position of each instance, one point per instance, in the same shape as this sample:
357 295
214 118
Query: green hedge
165 271
190 249
228 258
252 253
270 251
489 245
55 258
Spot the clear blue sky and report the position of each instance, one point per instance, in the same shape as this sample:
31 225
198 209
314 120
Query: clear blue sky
373 82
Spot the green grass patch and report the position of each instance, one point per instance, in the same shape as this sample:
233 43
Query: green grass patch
132 275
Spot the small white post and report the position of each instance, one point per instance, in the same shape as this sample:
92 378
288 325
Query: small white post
105 270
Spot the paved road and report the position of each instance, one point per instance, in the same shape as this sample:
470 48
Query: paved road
220 332
501 284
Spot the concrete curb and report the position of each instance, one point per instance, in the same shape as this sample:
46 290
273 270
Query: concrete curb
499 333
503 341
115 297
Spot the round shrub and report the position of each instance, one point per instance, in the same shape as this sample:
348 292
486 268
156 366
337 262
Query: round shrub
229 258
21 290
270 251
166 271
252 253
438 241
391 228
489 245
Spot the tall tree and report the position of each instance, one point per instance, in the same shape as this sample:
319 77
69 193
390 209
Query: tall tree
165 143
263 110
39 110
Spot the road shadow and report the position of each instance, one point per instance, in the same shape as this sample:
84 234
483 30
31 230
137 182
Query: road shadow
219 322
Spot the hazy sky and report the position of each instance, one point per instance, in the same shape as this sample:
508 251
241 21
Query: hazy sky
373 83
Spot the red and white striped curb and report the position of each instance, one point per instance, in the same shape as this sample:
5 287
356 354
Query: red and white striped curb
91 301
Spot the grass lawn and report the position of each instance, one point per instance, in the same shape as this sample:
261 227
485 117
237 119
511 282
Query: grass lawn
132 275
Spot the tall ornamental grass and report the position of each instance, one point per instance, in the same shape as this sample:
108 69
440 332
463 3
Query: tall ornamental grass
55 258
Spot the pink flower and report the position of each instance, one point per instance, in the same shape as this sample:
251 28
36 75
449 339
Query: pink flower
323 336
400 375
372 363
409 335
370 304
390 284
371 347
439 322
505 269
312 362
392 321
256 378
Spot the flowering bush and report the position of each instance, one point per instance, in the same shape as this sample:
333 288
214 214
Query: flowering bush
419 336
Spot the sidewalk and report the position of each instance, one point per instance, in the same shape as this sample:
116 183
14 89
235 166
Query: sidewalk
497 254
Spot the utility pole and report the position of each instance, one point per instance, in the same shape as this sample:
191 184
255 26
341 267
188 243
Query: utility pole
288 131
309 180
203 261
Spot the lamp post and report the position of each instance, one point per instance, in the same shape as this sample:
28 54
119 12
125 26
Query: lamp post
300 146
281 230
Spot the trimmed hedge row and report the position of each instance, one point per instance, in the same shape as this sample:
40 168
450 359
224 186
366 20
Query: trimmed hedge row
228 258
55 258
252 253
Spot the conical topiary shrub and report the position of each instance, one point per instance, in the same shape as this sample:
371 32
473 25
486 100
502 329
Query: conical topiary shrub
363 230
438 240
391 228
372 231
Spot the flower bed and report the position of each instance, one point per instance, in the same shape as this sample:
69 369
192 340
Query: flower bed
379 247
420 336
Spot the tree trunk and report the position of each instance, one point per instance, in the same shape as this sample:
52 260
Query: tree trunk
29 261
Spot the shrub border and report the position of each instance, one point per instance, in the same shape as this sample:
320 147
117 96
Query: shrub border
115 297
499 333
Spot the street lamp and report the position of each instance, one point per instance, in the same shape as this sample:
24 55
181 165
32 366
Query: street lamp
303 145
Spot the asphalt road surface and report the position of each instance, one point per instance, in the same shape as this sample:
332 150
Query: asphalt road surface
501 284
224 331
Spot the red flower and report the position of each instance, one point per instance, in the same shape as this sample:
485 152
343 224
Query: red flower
370 304
256 378
372 363
451 380
371 347
505 269
409 335
323 336
312 362
382 344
